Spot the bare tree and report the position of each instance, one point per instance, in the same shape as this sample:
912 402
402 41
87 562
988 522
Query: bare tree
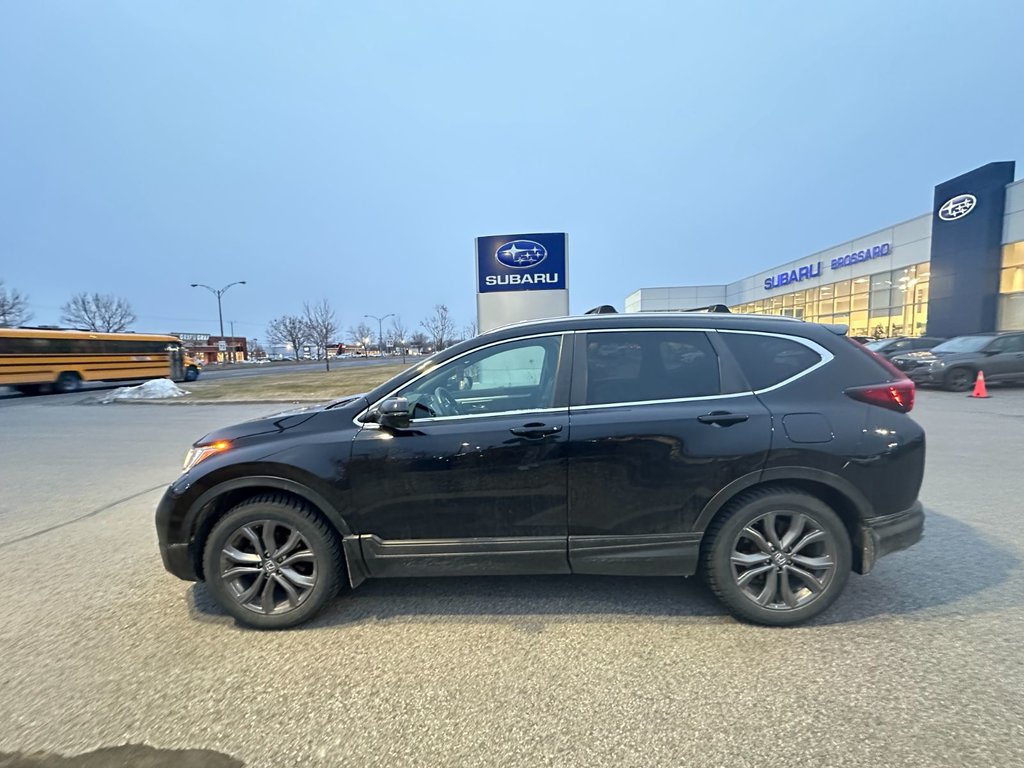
104 313
399 334
288 329
362 335
418 340
13 307
322 326
255 350
439 326
469 330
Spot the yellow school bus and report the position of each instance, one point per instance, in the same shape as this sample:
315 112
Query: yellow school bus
43 359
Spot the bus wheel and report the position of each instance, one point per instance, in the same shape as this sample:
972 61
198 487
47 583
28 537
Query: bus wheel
191 373
69 381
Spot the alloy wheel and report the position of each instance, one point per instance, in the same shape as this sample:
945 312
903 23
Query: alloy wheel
783 560
268 567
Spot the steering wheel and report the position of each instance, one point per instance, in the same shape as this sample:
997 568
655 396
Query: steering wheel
447 402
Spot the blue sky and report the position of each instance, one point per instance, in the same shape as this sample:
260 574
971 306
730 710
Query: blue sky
354 150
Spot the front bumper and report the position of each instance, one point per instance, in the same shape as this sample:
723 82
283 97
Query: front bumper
926 375
880 536
177 557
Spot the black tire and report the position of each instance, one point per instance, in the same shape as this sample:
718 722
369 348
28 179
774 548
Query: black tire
69 381
959 379
792 600
191 373
324 569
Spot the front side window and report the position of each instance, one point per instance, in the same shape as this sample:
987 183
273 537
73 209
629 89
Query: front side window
641 366
963 344
515 376
1007 344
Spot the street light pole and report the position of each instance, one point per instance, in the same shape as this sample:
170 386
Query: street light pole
220 311
380 329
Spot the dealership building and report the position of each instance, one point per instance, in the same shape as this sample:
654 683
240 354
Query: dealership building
958 269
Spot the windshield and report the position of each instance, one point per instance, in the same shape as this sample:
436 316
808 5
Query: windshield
963 344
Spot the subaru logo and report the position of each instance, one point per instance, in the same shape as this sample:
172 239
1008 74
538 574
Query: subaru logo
521 254
957 207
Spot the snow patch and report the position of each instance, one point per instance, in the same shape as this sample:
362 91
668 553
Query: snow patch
157 389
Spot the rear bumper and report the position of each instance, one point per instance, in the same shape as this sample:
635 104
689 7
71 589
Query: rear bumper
879 536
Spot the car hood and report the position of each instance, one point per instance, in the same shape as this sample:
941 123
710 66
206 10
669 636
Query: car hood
281 422
928 356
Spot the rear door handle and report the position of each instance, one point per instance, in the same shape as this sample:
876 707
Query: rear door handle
536 431
722 418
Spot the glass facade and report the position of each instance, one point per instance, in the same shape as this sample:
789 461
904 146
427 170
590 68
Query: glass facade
882 305
1011 288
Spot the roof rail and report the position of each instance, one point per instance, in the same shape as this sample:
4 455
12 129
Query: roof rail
710 308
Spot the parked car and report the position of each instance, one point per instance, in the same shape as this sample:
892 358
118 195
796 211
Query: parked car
770 455
954 364
889 348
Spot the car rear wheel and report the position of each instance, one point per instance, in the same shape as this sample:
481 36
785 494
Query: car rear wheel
777 557
273 562
959 379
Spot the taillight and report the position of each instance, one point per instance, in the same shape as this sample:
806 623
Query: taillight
894 395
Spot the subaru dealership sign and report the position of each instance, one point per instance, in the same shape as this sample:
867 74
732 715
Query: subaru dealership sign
521 263
521 277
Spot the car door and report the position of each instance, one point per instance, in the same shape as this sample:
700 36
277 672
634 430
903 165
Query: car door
477 483
1004 358
659 426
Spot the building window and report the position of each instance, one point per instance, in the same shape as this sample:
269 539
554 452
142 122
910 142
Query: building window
1011 288
1011 280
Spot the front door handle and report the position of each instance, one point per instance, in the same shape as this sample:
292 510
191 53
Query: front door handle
722 418
535 431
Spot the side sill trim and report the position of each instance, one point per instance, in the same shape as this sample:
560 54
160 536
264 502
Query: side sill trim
499 556
657 554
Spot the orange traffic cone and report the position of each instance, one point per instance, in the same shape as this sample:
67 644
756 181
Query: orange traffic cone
979 386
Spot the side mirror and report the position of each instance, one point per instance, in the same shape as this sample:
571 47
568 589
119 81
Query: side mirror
393 413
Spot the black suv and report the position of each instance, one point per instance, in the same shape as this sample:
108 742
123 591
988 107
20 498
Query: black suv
771 455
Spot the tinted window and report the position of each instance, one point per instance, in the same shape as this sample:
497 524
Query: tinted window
1007 344
964 344
636 366
769 360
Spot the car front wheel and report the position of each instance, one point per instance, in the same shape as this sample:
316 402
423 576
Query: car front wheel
959 380
777 557
273 562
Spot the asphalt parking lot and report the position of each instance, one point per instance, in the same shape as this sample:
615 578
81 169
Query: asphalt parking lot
921 663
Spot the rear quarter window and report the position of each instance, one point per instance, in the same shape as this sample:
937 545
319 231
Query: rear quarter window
769 360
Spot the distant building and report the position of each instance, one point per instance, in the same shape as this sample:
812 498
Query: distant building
208 349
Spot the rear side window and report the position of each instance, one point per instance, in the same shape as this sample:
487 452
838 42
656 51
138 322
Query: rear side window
769 360
638 366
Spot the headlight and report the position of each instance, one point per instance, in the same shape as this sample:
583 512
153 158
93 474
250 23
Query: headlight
199 452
